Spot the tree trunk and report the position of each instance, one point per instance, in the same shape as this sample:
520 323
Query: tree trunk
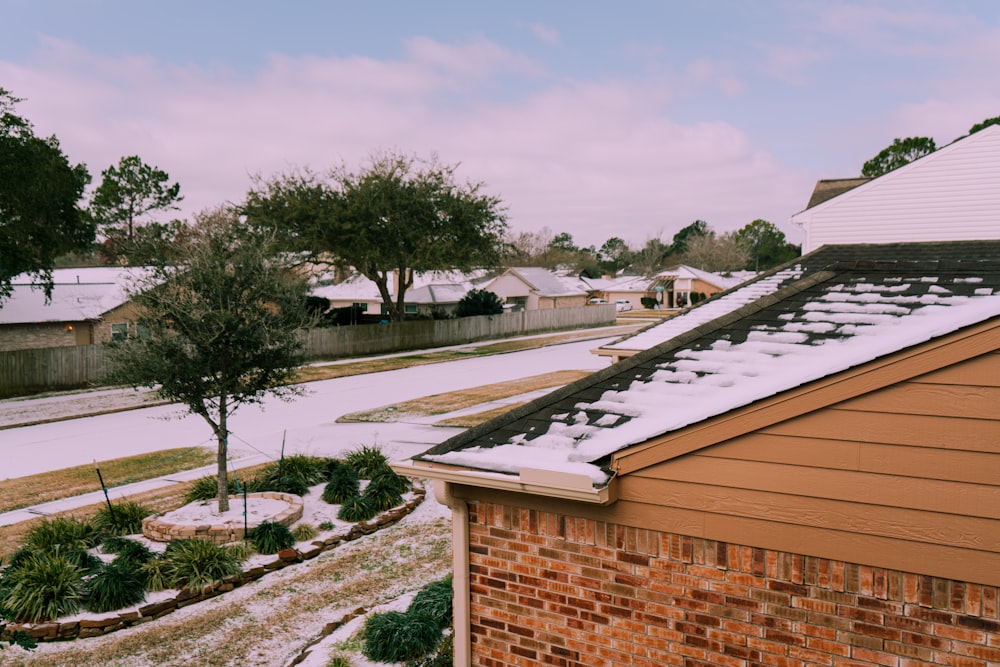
223 455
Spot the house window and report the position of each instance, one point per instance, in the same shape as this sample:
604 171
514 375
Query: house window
410 308
119 330
360 305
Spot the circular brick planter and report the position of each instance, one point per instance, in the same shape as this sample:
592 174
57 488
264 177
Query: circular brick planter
162 529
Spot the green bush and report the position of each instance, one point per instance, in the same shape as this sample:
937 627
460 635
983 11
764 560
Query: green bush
128 551
125 520
366 461
156 573
82 558
343 486
62 531
116 585
479 302
356 509
287 484
207 488
443 656
381 494
271 537
434 601
388 477
198 563
393 636
240 550
43 587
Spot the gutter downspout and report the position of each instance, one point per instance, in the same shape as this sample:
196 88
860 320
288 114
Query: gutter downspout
461 607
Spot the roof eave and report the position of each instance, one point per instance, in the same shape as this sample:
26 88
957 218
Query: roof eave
549 484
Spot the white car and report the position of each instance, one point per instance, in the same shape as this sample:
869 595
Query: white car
622 306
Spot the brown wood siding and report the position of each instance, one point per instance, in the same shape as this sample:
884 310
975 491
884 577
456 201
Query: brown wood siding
904 476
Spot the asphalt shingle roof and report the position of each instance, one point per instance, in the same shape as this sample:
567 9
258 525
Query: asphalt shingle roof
828 311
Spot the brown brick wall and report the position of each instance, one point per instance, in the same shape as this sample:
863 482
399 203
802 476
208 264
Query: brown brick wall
549 589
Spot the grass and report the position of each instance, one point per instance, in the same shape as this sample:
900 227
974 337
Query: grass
437 404
34 489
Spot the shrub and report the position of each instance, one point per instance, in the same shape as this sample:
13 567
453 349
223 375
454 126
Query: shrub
271 537
293 474
125 520
303 532
241 550
343 486
207 488
62 531
326 525
198 563
388 477
286 484
115 585
45 586
156 573
648 302
434 601
356 509
393 636
443 656
479 302
128 551
381 494
83 559
366 461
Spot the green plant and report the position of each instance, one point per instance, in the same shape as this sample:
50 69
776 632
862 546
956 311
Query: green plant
156 573
285 484
303 532
356 509
45 586
128 551
382 494
82 558
434 601
241 550
338 661
62 531
366 460
206 488
388 477
271 537
311 469
393 636
443 656
198 563
115 585
125 519
343 486
326 525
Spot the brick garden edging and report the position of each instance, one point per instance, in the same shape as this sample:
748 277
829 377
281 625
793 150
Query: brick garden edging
158 529
55 631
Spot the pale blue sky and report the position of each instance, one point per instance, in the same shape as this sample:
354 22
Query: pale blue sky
599 119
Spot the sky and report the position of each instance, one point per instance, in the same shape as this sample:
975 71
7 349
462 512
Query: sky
598 119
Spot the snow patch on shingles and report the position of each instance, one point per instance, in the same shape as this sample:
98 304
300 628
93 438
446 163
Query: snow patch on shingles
708 311
699 384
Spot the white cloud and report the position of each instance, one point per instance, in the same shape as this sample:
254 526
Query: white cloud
594 158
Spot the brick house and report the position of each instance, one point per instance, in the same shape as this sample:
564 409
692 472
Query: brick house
535 288
87 306
802 471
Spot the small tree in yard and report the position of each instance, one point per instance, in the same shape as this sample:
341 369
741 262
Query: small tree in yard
219 331
479 302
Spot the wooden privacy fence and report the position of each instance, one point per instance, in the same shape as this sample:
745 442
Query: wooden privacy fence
26 371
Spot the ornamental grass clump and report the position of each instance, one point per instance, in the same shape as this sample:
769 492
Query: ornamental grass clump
270 537
366 461
197 563
114 586
127 551
303 532
356 509
434 601
382 494
343 486
125 518
42 587
206 488
156 573
62 531
394 636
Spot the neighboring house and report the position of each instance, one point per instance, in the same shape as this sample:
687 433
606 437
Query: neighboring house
436 300
807 474
682 285
431 290
950 194
87 306
533 288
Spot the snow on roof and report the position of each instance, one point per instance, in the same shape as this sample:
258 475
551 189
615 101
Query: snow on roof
547 283
438 293
685 271
707 311
77 295
835 319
